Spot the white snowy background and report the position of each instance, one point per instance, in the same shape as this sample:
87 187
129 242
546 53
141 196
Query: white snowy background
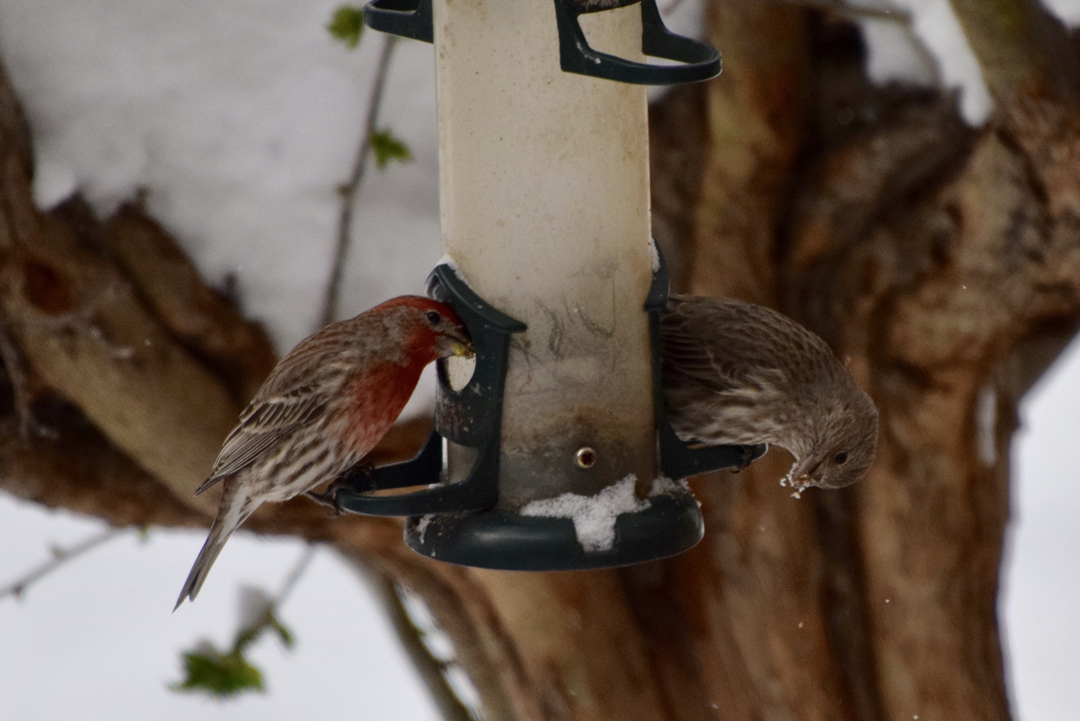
239 119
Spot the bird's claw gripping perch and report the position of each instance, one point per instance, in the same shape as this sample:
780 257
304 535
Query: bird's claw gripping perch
747 455
358 478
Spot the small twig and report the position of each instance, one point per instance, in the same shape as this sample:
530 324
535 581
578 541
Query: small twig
427 664
431 669
268 619
294 576
349 190
60 557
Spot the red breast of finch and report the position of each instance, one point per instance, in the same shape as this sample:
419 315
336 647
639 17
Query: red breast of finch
740 374
328 402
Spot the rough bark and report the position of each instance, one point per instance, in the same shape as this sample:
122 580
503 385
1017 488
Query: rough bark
942 261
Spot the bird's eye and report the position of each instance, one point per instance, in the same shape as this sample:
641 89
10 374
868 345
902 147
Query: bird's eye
433 317
841 458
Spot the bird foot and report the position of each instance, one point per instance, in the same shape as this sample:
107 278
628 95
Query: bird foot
346 480
746 457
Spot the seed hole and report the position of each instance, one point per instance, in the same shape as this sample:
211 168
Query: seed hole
585 457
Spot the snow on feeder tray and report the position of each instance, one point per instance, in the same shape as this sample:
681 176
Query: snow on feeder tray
555 453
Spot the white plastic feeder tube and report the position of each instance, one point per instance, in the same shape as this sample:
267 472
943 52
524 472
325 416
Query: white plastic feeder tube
544 193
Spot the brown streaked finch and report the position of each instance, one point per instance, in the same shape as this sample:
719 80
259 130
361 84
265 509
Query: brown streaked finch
741 374
328 402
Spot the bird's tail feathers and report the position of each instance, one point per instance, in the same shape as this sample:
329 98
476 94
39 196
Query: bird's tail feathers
207 484
233 512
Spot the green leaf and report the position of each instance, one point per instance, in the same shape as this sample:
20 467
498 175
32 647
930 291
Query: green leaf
388 148
347 25
218 675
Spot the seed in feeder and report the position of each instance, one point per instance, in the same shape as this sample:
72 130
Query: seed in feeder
740 374
585 457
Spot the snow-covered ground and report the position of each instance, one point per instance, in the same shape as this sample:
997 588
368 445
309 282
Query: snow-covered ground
239 119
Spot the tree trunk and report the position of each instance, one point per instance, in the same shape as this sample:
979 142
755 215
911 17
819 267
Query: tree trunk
942 262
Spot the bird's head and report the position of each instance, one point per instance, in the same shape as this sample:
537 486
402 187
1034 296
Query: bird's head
434 329
844 447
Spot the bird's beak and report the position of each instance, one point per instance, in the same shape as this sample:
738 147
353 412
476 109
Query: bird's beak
463 347
805 472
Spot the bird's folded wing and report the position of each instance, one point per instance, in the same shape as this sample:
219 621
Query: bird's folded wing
264 424
687 354
713 346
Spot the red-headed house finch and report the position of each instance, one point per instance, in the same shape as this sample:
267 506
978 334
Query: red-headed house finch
740 374
328 402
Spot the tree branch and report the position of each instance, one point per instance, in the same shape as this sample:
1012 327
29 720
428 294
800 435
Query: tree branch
430 668
463 610
60 556
199 318
88 338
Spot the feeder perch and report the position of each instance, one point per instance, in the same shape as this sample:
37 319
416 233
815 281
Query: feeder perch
697 61
458 522
544 209
470 417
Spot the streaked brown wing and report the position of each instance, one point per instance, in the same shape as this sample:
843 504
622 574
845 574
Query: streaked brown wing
263 425
711 345
685 356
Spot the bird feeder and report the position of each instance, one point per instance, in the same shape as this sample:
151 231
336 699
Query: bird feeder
544 203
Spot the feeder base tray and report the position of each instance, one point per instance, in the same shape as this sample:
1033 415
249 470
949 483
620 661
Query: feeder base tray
509 541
